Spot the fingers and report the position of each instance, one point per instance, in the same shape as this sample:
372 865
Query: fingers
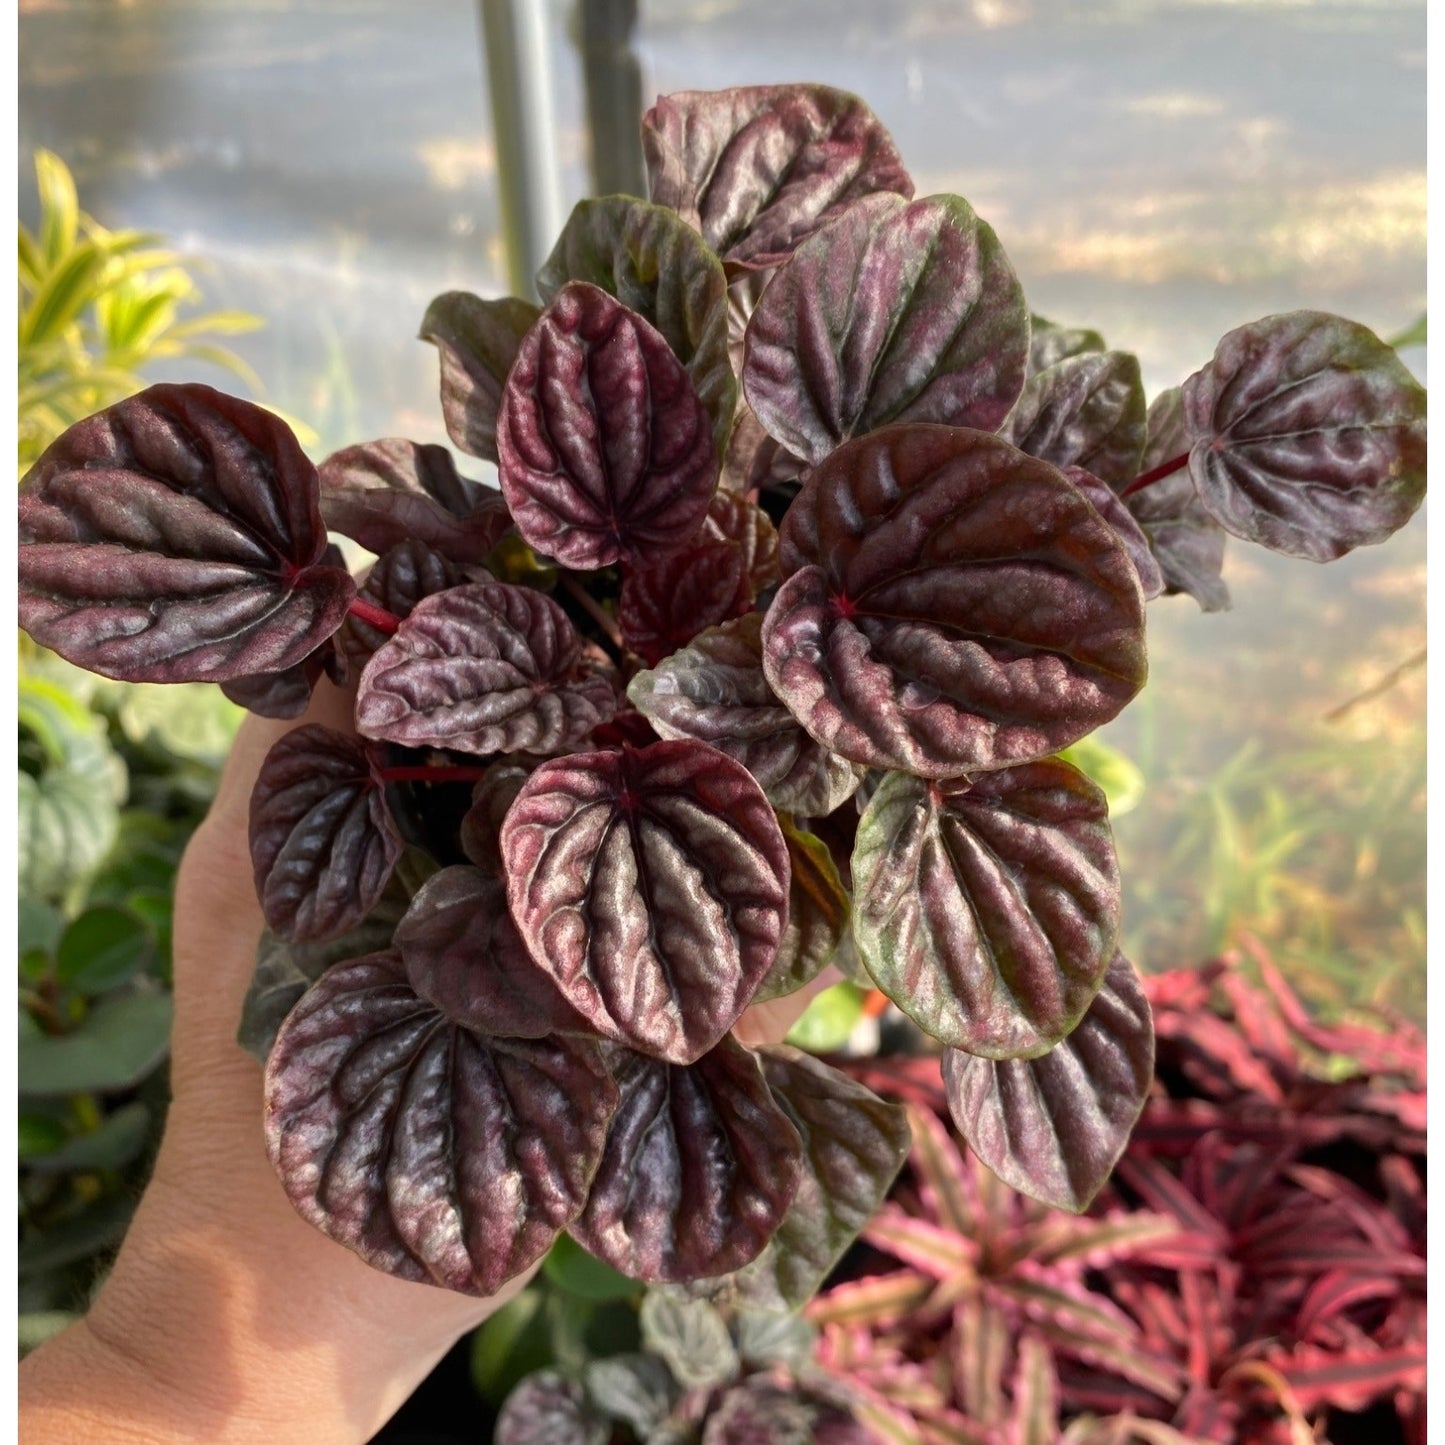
768 1023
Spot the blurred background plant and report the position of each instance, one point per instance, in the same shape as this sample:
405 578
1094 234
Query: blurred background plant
112 779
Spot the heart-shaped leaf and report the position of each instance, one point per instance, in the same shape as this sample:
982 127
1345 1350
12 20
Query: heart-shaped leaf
436 1153
463 955
483 668
1050 343
1307 435
1116 513
663 607
953 605
1083 411
389 492
491 798
817 915
549 1409
761 1411
988 912
323 842
700 1166
637 1389
691 1336
733 519
715 692
398 581
895 312
478 342
176 537
759 168
288 694
605 448
655 264
854 1144
652 884
1053 1127
1187 542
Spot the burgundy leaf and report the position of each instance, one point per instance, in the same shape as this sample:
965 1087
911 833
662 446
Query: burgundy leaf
400 579
753 460
1083 411
322 841
818 912
491 798
1350 1381
435 1153
1338 1290
733 519
759 168
478 342
715 692
1053 1127
463 955
1187 542
176 537
652 884
287 694
390 492
896 312
483 668
853 1147
657 265
761 1412
989 912
700 1167
664 606
1307 435
1113 510
950 605
606 450
546 1408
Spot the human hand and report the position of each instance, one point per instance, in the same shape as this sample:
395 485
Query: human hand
227 1316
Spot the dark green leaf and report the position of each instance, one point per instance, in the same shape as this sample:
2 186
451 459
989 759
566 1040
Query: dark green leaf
119 1140
511 1343
636 1389
691 1336
97 1227
102 949
114 1047
571 1268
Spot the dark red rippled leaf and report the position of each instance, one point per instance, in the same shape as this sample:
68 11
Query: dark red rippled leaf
895 312
1053 1127
546 1408
1083 411
323 843
389 492
606 450
483 668
399 580
700 1166
759 168
1107 503
1050 343
818 910
176 537
478 342
714 691
988 912
950 605
435 1153
464 956
652 884
657 265
1307 435
742 524
491 798
663 607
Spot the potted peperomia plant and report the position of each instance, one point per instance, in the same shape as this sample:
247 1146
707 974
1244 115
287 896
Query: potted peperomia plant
812 551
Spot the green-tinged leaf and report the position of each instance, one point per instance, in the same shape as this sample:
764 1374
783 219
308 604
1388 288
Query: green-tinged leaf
32 1330
655 264
1413 335
635 1389
980 1349
817 915
59 205
114 1047
571 1268
692 1337
117 1142
513 1342
1036 1394
879 1300
38 1135
937 1252
40 926
943 1176
768 1338
188 720
63 295
1116 774
829 1020
97 1227
988 911
102 949
1050 343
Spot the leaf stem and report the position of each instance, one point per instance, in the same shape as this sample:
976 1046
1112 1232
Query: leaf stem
594 609
1164 469
423 773
377 617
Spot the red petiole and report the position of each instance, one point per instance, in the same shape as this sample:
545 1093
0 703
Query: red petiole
1164 469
